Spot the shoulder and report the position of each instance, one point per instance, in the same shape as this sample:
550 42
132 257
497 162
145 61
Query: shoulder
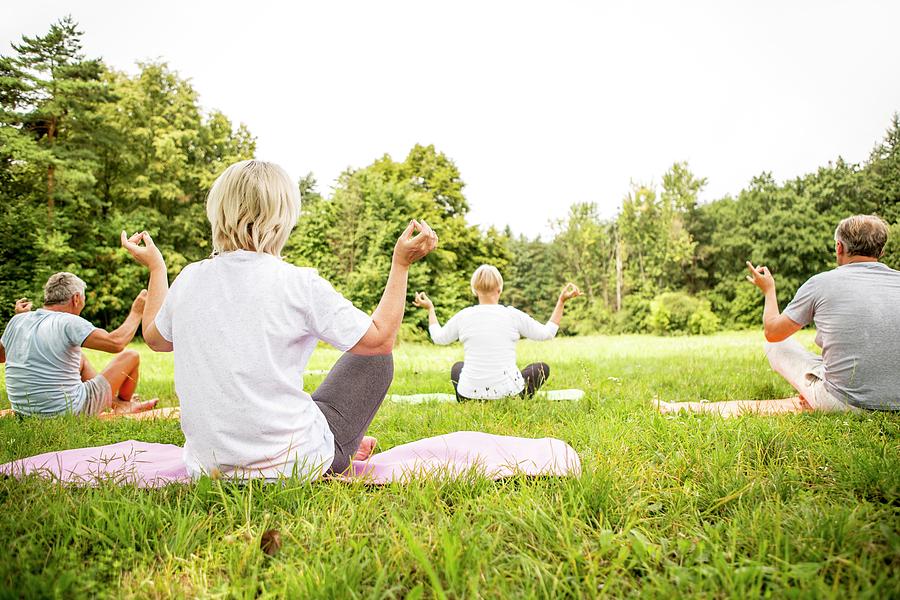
17 321
73 324
75 320
190 270
21 318
820 280
516 313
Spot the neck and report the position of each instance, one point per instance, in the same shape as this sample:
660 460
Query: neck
65 308
488 300
849 260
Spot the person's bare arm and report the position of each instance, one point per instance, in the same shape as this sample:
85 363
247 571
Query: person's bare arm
776 326
568 292
2 354
150 256
382 333
115 341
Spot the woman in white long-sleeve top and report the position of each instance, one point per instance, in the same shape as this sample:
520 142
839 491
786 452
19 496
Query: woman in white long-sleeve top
489 332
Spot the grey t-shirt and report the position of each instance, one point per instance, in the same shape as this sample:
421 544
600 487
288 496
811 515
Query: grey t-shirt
856 309
43 362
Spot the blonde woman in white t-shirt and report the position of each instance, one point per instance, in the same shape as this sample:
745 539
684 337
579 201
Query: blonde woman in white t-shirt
243 324
489 332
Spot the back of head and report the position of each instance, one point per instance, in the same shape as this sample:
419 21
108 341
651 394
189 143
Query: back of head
253 205
486 280
862 235
60 288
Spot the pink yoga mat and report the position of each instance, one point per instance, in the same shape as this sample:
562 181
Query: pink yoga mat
451 455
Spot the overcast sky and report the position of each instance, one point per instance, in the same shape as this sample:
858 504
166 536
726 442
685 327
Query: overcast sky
539 104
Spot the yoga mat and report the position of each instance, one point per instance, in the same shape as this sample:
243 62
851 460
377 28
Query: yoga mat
442 457
554 395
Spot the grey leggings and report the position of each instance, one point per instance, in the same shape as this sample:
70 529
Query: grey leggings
349 398
534 375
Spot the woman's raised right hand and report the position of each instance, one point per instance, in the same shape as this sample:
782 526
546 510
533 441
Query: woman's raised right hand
412 246
569 291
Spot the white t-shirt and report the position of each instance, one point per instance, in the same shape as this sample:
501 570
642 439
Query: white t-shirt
489 333
243 326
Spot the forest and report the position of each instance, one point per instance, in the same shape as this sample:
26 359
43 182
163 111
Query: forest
87 151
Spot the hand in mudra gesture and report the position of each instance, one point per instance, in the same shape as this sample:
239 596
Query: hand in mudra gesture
416 241
147 254
760 277
23 305
423 301
569 291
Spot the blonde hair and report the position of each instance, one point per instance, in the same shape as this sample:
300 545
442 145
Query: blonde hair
862 235
60 288
252 205
486 279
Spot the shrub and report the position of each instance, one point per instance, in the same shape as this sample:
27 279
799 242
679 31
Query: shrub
634 316
585 318
680 313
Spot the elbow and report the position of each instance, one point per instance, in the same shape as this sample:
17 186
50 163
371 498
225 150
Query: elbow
114 347
156 345
388 345
773 336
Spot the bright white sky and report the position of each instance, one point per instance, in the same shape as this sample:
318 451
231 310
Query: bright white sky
539 104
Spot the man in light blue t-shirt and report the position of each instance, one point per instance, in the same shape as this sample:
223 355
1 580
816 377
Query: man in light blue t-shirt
856 311
46 372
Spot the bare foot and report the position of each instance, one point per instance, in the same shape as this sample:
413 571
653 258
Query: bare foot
135 406
665 408
366 448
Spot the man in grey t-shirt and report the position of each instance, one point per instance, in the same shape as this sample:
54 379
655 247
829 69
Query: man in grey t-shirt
46 372
856 311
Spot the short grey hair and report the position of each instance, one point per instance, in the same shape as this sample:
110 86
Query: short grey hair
60 288
862 235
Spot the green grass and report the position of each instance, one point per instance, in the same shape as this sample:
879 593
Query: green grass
800 505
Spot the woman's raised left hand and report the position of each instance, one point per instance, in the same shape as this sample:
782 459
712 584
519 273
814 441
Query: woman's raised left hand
423 301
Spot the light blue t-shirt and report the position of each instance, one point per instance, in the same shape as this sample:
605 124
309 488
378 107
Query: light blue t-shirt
43 362
856 309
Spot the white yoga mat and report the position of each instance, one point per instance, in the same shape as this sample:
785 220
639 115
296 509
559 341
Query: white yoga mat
555 395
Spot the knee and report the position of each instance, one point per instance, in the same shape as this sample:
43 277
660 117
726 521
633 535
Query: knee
771 350
131 357
385 364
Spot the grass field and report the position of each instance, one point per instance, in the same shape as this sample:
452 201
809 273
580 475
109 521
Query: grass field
798 506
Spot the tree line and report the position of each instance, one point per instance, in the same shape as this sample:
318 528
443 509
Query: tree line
86 151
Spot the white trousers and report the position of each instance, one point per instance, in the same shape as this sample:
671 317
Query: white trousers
806 372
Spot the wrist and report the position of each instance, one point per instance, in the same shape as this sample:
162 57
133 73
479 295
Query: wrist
397 263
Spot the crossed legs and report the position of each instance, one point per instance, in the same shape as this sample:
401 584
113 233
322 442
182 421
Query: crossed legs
122 374
349 398
800 367
534 375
